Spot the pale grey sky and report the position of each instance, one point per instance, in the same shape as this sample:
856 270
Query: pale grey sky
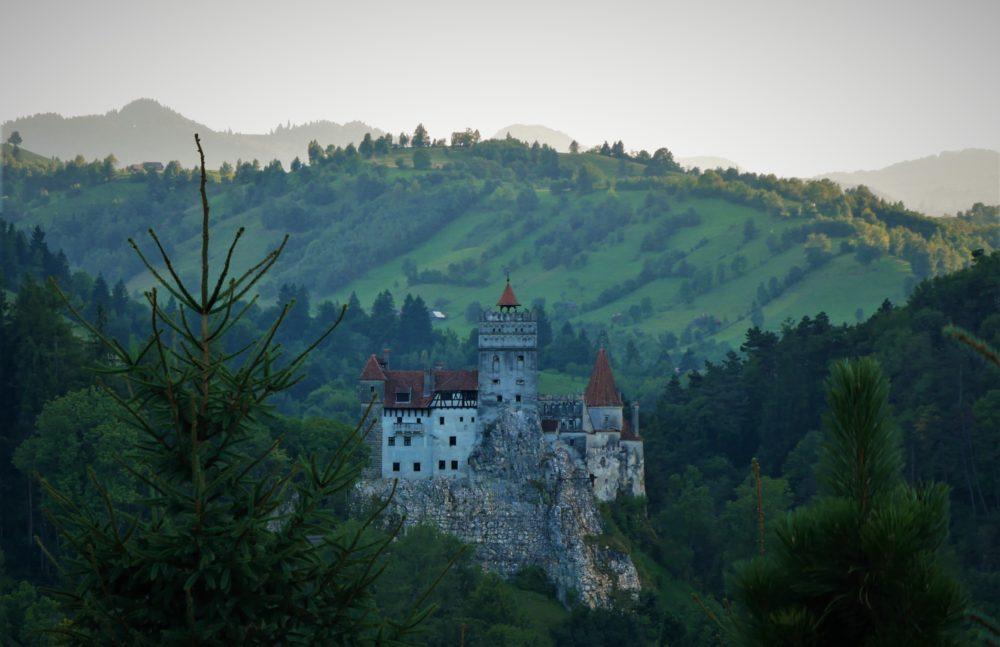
795 87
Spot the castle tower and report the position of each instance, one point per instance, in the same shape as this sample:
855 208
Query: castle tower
508 358
372 386
603 402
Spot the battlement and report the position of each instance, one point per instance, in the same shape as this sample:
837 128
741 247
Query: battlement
507 315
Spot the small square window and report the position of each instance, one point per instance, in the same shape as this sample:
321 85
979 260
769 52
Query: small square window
418 421
407 441
517 397
520 380
395 467
392 441
452 440
399 419
440 465
441 420
454 465
473 418
416 467
461 418
372 388
496 381
499 398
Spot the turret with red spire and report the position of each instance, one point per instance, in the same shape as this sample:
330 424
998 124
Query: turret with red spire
508 357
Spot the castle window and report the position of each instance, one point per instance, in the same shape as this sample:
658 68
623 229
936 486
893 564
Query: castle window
454 465
520 361
416 467
520 380
473 418
392 441
372 388
440 465
402 396
441 420
399 419
461 418
496 381
456 395
407 441
452 440
496 363
418 421
395 467
499 398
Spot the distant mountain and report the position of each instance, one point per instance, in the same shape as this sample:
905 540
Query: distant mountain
706 162
937 185
144 130
536 133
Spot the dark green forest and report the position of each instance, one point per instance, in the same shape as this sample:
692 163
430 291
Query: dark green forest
709 413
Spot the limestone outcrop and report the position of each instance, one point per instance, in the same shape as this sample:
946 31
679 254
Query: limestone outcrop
524 502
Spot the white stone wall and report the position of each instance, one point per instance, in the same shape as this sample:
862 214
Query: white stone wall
430 442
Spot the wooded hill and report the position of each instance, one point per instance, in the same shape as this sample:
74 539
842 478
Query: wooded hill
628 244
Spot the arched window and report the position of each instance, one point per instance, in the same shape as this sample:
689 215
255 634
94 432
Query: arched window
496 363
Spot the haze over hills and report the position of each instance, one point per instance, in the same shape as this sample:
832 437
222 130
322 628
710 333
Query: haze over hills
537 133
561 141
145 130
937 185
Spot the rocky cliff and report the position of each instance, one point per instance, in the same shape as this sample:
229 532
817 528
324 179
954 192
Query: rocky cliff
526 502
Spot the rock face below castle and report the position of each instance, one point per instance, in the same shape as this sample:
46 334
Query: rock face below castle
524 502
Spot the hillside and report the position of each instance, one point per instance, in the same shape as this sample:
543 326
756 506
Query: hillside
699 256
938 185
144 130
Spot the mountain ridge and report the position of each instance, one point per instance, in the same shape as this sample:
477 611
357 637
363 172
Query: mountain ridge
146 130
939 184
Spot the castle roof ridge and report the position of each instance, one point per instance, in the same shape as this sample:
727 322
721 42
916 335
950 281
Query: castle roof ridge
373 370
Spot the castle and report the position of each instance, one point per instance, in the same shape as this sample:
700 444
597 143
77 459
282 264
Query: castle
428 422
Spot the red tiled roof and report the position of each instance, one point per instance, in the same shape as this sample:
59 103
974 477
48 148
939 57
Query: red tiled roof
373 370
412 382
456 380
507 299
601 390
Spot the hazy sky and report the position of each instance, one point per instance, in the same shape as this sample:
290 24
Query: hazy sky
794 87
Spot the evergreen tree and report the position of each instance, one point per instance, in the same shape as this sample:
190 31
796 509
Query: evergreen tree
861 565
383 322
223 549
420 137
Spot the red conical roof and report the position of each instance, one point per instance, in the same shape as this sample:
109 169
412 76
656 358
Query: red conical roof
373 370
507 299
601 390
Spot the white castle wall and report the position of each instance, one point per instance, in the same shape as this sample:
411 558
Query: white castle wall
430 432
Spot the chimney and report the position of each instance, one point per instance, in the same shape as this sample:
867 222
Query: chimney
428 382
635 418
385 359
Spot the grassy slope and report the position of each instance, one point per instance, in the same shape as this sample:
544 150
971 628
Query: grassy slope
839 288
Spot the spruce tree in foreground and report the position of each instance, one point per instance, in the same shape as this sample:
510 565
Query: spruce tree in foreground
224 550
861 565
